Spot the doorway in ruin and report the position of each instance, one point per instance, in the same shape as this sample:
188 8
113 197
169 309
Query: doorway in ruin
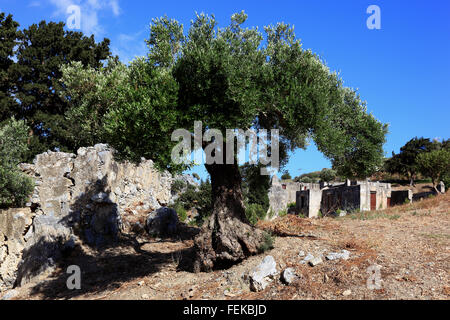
373 201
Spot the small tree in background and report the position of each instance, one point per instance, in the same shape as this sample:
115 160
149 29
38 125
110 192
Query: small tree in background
405 162
15 187
90 93
434 164
8 39
255 187
286 176
328 175
33 80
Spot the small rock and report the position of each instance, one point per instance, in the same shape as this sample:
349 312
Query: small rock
301 254
288 276
140 283
191 292
145 296
10 295
227 293
308 258
344 254
346 293
314 262
261 276
101 197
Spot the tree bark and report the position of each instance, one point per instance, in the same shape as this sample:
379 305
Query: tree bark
226 237
411 180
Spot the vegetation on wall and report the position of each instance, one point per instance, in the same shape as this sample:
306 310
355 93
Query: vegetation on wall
15 186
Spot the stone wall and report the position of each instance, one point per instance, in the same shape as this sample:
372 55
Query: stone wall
308 202
342 197
14 227
282 193
399 197
350 196
82 197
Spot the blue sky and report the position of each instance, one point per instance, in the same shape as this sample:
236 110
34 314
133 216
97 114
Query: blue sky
402 70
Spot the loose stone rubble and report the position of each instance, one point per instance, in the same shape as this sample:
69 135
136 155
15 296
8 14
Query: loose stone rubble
344 254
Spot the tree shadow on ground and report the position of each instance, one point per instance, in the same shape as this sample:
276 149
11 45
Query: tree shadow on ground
106 256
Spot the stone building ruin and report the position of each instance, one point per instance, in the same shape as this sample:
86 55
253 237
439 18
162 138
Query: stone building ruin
313 199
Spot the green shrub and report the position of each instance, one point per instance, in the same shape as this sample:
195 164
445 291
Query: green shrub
328 175
291 205
15 186
306 180
198 198
286 176
255 187
181 212
282 213
446 180
267 243
178 186
255 212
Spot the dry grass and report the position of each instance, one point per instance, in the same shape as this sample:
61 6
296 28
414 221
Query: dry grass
410 242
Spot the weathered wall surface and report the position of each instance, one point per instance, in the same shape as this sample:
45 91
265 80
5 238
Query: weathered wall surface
282 193
77 197
341 197
308 202
350 196
14 224
383 191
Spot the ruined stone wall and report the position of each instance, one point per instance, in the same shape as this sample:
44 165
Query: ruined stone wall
341 198
399 197
383 191
81 197
282 193
14 224
308 202
351 196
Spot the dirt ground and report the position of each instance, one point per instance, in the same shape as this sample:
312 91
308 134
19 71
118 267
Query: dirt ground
411 244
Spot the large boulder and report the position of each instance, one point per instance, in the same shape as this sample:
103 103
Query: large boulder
47 240
162 222
263 274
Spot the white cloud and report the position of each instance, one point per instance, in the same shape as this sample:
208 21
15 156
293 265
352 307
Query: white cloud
89 13
130 46
115 7
34 4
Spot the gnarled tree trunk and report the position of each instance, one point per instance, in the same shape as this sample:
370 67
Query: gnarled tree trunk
227 237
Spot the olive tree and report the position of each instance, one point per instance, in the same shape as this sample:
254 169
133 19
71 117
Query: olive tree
434 164
239 78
